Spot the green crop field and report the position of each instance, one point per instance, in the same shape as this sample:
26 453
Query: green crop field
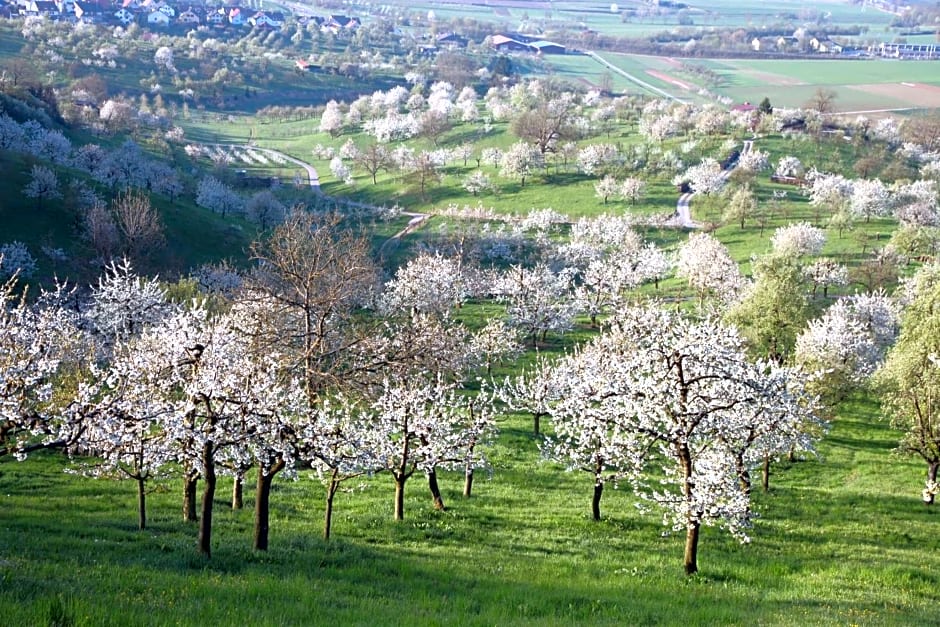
586 72
868 84
608 19
859 84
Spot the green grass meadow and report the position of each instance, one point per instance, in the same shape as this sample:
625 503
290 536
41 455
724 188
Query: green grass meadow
841 539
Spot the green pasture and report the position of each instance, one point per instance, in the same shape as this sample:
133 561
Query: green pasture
789 83
573 14
793 83
732 13
839 539
586 72
832 72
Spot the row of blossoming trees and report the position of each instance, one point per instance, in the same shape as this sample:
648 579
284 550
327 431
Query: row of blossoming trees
310 361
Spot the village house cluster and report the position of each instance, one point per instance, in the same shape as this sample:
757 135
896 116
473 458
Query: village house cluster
825 46
160 13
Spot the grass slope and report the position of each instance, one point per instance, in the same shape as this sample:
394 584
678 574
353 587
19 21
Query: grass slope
193 235
839 540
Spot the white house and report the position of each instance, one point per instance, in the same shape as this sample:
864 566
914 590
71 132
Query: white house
263 18
189 17
158 18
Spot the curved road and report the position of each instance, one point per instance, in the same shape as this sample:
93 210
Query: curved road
683 216
312 177
417 219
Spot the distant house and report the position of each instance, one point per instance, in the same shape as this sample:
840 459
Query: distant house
215 17
785 43
451 39
45 8
168 10
508 44
158 18
188 17
88 12
338 23
306 66
269 19
236 17
124 16
755 44
825 46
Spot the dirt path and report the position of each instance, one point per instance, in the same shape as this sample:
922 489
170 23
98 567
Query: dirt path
631 77
417 219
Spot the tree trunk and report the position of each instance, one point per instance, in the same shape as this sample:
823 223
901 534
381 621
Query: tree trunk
468 482
263 502
691 525
435 491
744 477
208 494
141 504
190 483
691 548
596 500
328 516
765 474
237 491
536 417
932 480
400 496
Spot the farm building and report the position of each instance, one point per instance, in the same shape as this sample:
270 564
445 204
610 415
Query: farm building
452 40
547 47
907 51
523 43
509 44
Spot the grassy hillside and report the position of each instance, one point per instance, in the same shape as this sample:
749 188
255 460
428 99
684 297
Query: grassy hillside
842 539
193 235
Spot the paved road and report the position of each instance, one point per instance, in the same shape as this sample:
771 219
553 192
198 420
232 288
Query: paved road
312 177
683 215
417 219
